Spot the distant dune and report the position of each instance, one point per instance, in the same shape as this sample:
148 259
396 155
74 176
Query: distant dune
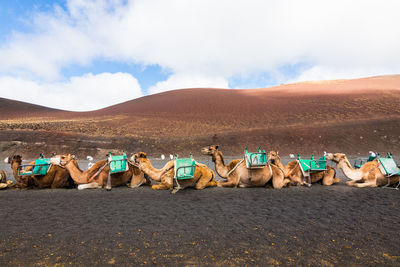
348 115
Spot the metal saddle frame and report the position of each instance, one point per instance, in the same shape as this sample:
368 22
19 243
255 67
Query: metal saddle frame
388 167
311 165
40 167
116 164
183 170
255 159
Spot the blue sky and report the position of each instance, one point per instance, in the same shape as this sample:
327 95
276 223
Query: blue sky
71 54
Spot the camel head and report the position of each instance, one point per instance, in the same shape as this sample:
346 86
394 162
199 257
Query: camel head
62 160
13 159
336 157
210 150
273 156
139 158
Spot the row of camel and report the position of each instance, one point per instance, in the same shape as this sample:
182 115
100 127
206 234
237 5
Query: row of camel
65 172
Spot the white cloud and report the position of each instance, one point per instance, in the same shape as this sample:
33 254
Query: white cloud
83 93
185 80
215 40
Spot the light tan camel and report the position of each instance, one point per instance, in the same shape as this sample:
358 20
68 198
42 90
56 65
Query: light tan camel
97 175
203 176
3 180
56 176
369 175
293 171
238 175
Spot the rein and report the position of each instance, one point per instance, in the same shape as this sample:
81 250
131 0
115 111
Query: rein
133 164
97 173
234 168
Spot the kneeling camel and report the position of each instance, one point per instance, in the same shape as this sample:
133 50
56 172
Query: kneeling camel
56 176
97 175
369 175
203 176
238 175
293 171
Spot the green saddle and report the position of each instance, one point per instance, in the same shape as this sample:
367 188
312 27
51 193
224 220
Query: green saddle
118 163
361 161
184 168
40 167
312 164
255 159
388 165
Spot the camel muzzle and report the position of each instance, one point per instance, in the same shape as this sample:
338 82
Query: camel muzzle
55 161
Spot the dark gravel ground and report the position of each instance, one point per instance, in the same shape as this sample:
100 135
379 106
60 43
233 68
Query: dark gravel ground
336 225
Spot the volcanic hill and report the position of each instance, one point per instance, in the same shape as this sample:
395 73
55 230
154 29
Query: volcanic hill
351 116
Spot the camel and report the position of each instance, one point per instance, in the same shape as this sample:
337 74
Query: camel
3 180
56 176
293 171
97 175
238 175
369 175
203 176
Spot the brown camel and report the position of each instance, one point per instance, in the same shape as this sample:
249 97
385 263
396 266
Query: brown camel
369 175
294 173
238 175
97 175
203 176
56 176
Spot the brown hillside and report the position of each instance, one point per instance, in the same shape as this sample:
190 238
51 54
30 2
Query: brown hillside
355 115
12 109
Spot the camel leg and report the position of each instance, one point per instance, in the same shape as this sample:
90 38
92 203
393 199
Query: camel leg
367 184
353 182
206 181
59 181
329 178
296 180
162 186
278 181
138 180
89 186
227 184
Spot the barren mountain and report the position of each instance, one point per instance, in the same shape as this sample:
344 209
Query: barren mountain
352 116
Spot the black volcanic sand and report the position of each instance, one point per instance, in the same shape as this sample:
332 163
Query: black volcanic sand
321 225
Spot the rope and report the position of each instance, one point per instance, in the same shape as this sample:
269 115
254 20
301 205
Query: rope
133 163
270 169
97 173
234 168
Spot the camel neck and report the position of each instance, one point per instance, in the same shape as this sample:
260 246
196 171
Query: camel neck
220 166
14 167
348 170
76 173
149 170
278 163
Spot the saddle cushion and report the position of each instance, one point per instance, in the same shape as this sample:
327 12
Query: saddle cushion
388 166
255 159
118 163
184 168
41 167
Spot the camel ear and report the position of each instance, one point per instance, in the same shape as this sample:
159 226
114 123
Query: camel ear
73 156
216 147
7 160
277 152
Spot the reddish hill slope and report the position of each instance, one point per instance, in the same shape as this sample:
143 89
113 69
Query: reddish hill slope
352 115
12 109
